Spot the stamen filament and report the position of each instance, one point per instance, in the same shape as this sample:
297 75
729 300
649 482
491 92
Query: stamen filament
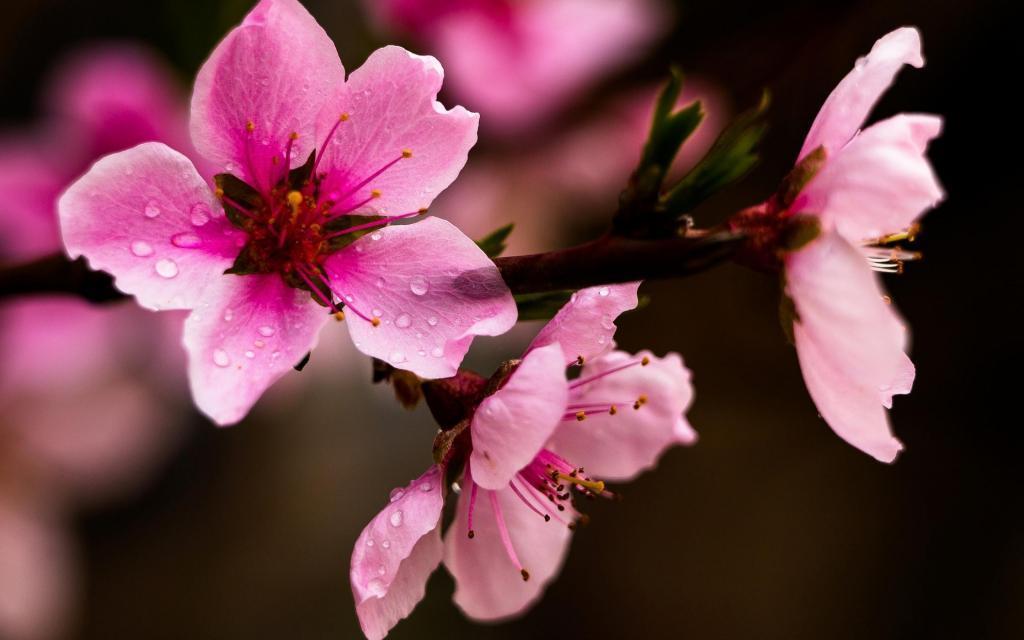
374 175
330 134
506 540
472 505
579 382
515 490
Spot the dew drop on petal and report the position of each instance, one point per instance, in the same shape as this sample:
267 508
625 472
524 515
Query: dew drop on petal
386 544
397 357
603 292
437 352
432 321
141 248
403 321
229 315
250 354
377 313
396 494
425 487
396 518
375 588
381 570
369 542
166 268
152 210
186 240
221 358
266 331
200 214
259 344
418 285
375 235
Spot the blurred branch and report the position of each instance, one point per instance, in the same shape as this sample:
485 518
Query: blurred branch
607 260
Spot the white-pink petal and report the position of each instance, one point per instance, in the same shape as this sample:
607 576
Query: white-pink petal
487 585
880 183
276 71
245 334
585 326
620 446
849 104
850 342
398 147
396 553
146 216
430 289
510 427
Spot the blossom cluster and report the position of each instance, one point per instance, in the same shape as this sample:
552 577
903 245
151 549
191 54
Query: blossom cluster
302 201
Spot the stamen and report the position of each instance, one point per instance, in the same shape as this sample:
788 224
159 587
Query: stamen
316 290
641 401
330 134
581 416
506 540
288 153
515 489
374 223
339 316
579 382
375 174
472 506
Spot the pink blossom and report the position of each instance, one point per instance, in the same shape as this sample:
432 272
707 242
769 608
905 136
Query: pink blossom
873 186
377 144
519 61
515 511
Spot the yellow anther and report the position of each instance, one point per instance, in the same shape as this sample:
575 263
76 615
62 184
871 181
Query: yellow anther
294 200
339 316
613 410
343 117
218 192
581 416
293 135
422 211
645 361
249 126
406 153
375 322
641 401
375 193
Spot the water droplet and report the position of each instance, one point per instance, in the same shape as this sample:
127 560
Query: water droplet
359 248
437 352
421 353
403 321
259 344
397 357
380 283
375 235
229 315
369 542
377 313
381 570
348 297
603 292
266 331
386 544
166 268
141 248
601 340
221 358
456 488
200 214
396 494
418 285
129 171
396 518
432 321
250 354
152 210
275 355
425 487
572 298
186 240
375 588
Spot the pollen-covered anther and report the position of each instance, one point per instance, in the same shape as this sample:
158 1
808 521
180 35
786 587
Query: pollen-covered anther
581 416
406 153
343 117
375 193
525 574
471 534
641 401
579 360
339 316
375 322
612 410
250 126
645 361
294 201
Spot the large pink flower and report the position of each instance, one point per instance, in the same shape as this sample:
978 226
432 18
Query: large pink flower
517 61
515 511
307 155
873 186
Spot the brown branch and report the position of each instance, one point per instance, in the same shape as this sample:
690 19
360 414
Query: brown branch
56 274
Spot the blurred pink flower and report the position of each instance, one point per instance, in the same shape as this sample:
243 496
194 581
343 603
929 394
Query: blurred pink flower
80 425
503 548
416 294
872 187
518 61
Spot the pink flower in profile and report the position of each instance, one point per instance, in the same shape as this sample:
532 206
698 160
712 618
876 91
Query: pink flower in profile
517 61
873 186
308 156
527 440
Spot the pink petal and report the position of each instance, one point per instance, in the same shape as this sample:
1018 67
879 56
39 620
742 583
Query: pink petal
849 341
392 111
487 585
851 101
247 333
135 215
620 446
396 553
585 326
431 288
276 70
31 180
510 427
881 182
519 65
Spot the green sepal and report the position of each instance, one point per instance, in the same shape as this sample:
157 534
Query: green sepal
730 158
800 176
541 306
238 192
299 176
800 231
787 316
495 243
244 263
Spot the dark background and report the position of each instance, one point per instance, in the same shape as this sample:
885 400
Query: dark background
771 527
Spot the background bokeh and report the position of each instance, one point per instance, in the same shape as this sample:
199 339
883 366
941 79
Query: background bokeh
770 527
